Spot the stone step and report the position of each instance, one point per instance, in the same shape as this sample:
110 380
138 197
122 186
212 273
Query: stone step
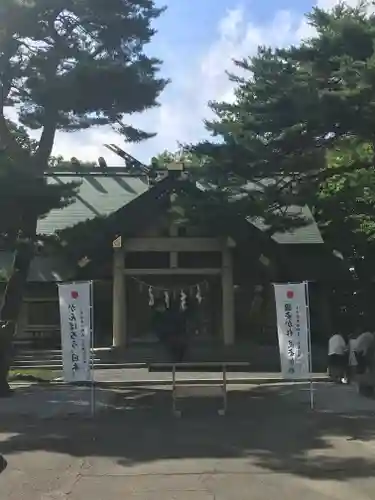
25 357
37 362
56 355
97 365
51 352
17 361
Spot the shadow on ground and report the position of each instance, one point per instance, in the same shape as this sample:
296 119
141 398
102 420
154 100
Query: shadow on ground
264 426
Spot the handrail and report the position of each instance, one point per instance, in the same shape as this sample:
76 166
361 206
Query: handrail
197 388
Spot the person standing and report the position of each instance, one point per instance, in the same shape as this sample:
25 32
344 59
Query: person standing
169 325
337 358
352 369
364 350
177 333
159 320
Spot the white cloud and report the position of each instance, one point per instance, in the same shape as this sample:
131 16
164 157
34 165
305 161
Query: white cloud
329 4
89 145
184 103
305 31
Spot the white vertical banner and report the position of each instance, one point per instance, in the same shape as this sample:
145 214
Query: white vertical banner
76 330
293 329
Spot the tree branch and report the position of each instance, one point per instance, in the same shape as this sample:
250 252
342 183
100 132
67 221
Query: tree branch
44 148
7 139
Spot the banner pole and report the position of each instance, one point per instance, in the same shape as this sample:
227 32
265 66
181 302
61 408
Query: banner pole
312 402
92 350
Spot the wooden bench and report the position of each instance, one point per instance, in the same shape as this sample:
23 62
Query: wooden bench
181 389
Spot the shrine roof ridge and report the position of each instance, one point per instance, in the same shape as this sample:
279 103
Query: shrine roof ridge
87 171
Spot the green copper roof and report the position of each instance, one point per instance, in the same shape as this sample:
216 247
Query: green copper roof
100 194
103 192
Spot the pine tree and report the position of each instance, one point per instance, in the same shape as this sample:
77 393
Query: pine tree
269 140
68 65
21 190
293 108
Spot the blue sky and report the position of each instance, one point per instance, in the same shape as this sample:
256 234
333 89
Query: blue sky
197 40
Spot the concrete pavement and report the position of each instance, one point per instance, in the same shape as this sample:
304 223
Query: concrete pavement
131 376
269 446
35 401
55 401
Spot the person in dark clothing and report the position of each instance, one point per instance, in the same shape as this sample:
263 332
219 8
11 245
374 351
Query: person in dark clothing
159 320
176 328
169 325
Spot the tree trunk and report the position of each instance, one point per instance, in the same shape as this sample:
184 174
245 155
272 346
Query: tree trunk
13 296
38 161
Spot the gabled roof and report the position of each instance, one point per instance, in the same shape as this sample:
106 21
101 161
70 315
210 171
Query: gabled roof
307 234
251 241
129 204
101 193
127 220
104 192
138 214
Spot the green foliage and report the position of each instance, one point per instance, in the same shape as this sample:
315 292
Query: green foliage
21 191
66 65
301 131
78 63
341 62
269 154
346 201
184 155
23 140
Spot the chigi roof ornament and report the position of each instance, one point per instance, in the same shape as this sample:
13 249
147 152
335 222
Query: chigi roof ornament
131 163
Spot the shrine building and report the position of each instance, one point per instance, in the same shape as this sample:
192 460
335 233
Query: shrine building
129 233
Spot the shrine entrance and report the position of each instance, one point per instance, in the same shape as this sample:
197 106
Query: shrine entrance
197 296
207 291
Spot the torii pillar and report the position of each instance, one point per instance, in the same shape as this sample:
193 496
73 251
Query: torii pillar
119 320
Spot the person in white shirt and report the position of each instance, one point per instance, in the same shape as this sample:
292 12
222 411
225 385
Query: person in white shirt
364 350
337 358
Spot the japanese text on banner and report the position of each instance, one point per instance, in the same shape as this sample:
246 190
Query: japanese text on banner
292 330
76 328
